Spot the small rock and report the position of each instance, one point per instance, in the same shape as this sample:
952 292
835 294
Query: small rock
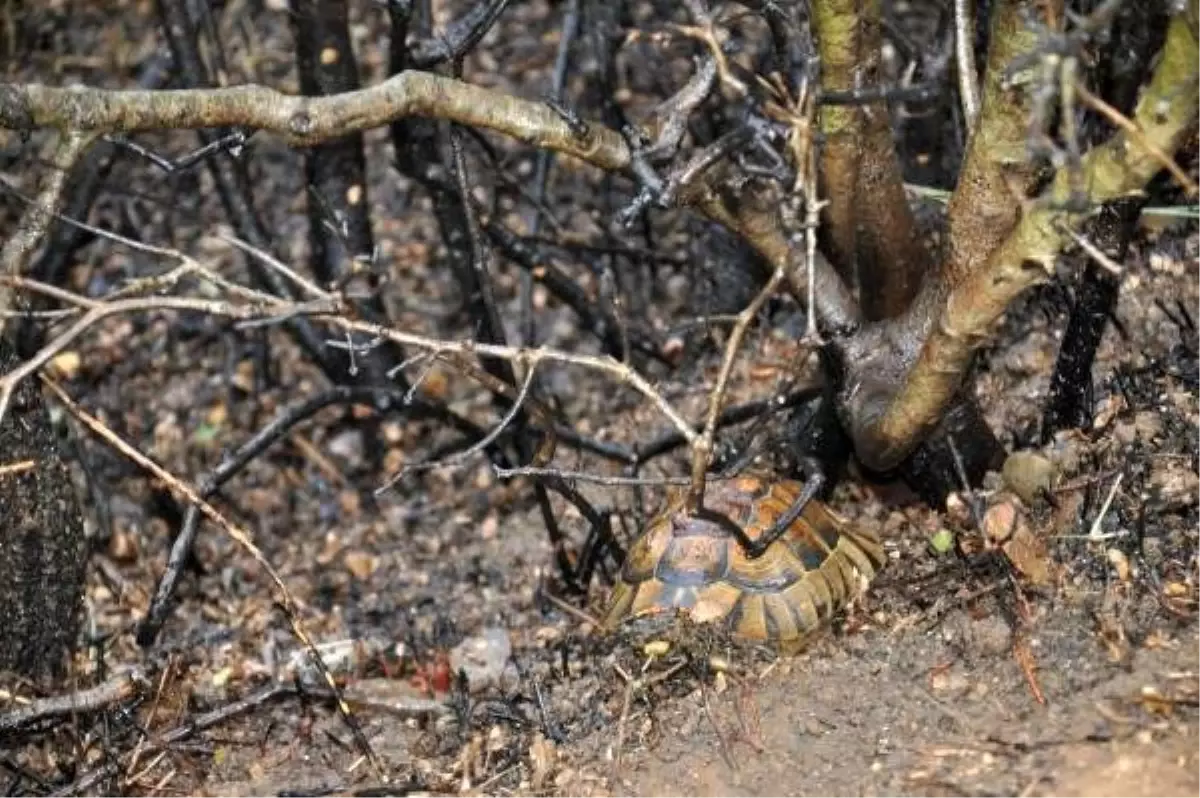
991 634
347 446
1120 563
65 365
1029 475
483 657
361 564
1005 525
1174 485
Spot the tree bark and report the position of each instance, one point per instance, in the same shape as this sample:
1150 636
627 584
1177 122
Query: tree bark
43 550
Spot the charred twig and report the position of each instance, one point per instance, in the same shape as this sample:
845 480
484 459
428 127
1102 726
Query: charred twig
583 476
284 423
478 446
231 142
460 38
193 725
1069 398
119 688
239 535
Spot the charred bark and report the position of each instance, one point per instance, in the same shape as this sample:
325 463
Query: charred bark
43 548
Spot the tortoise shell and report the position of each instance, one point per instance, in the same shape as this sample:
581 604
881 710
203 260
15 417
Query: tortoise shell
694 566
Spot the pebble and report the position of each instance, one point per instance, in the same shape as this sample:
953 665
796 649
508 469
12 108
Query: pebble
347 446
483 657
1028 474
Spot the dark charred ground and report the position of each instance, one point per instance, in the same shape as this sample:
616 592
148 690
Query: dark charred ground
919 689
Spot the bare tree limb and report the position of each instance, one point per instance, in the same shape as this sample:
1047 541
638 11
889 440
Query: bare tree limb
1165 115
303 121
872 237
997 172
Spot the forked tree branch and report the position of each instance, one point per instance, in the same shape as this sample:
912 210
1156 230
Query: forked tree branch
1165 116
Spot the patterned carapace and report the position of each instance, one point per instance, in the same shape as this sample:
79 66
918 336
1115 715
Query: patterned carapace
696 566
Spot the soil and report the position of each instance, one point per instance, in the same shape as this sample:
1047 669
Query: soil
953 674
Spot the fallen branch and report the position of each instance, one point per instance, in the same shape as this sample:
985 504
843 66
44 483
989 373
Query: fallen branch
119 688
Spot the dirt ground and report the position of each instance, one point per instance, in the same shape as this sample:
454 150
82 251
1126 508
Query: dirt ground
955 676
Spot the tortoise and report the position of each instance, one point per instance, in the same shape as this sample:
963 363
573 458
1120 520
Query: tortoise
698 566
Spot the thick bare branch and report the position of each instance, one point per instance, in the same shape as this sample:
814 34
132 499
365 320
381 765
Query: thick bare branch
873 239
1165 116
305 121
997 172
755 216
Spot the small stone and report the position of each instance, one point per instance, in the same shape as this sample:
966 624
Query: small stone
65 365
347 446
1120 563
1029 475
482 657
991 634
361 564
122 546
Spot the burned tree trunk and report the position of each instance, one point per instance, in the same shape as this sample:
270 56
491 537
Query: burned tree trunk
43 552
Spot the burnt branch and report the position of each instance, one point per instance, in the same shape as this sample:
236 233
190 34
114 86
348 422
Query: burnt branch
1069 402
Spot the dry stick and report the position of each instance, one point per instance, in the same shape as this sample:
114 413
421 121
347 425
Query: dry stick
269 306
1094 252
800 116
117 689
35 221
184 491
1135 132
964 47
270 260
702 447
101 310
19 467
530 358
